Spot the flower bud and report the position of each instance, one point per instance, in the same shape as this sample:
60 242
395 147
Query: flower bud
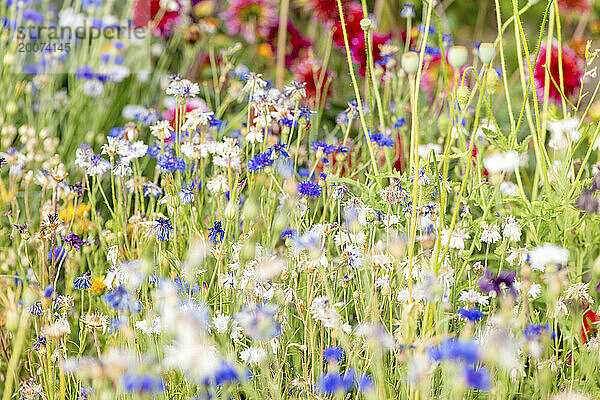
462 95
457 56
486 52
11 108
492 81
365 24
9 59
230 211
410 62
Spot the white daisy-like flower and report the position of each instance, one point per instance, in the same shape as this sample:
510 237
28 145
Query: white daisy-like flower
547 254
473 297
253 355
149 327
456 240
502 162
490 233
511 229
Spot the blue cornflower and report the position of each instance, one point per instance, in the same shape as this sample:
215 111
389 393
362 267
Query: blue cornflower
533 331
333 354
340 191
260 161
408 11
39 342
214 122
60 254
308 189
226 373
279 148
36 308
216 233
142 384
434 51
85 72
83 282
327 149
186 195
422 29
154 150
288 233
400 122
472 315
32 15
382 140
336 382
48 291
121 300
456 350
184 288
163 228
151 189
169 163
477 378
304 112
289 122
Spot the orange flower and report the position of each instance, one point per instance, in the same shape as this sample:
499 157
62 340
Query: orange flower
98 284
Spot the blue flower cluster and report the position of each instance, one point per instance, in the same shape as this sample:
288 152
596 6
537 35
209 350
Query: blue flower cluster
466 353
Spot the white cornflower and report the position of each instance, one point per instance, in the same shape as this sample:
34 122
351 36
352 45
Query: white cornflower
149 327
221 322
511 229
122 168
456 240
490 234
253 82
183 88
517 256
254 135
508 188
253 355
161 129
473 297
218 184
562 132
502 162
579 293
114 146
546 254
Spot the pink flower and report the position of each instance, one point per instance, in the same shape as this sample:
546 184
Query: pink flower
145 13
572 68
326 10
251 18
574 6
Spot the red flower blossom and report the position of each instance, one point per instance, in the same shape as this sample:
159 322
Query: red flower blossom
590 324
251 18
326 10
309 70
572 67
296 44
359 53
145 13
574 6
352 16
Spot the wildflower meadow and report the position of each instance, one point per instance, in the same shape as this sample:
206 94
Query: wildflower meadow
299 199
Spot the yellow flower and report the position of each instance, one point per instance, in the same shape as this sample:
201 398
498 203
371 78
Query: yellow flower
67 214
98 284
264 50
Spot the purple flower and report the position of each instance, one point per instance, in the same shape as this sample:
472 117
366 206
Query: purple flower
74 241
477 378
216 233
504 279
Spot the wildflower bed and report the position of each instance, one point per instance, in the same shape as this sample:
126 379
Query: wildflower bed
236 205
